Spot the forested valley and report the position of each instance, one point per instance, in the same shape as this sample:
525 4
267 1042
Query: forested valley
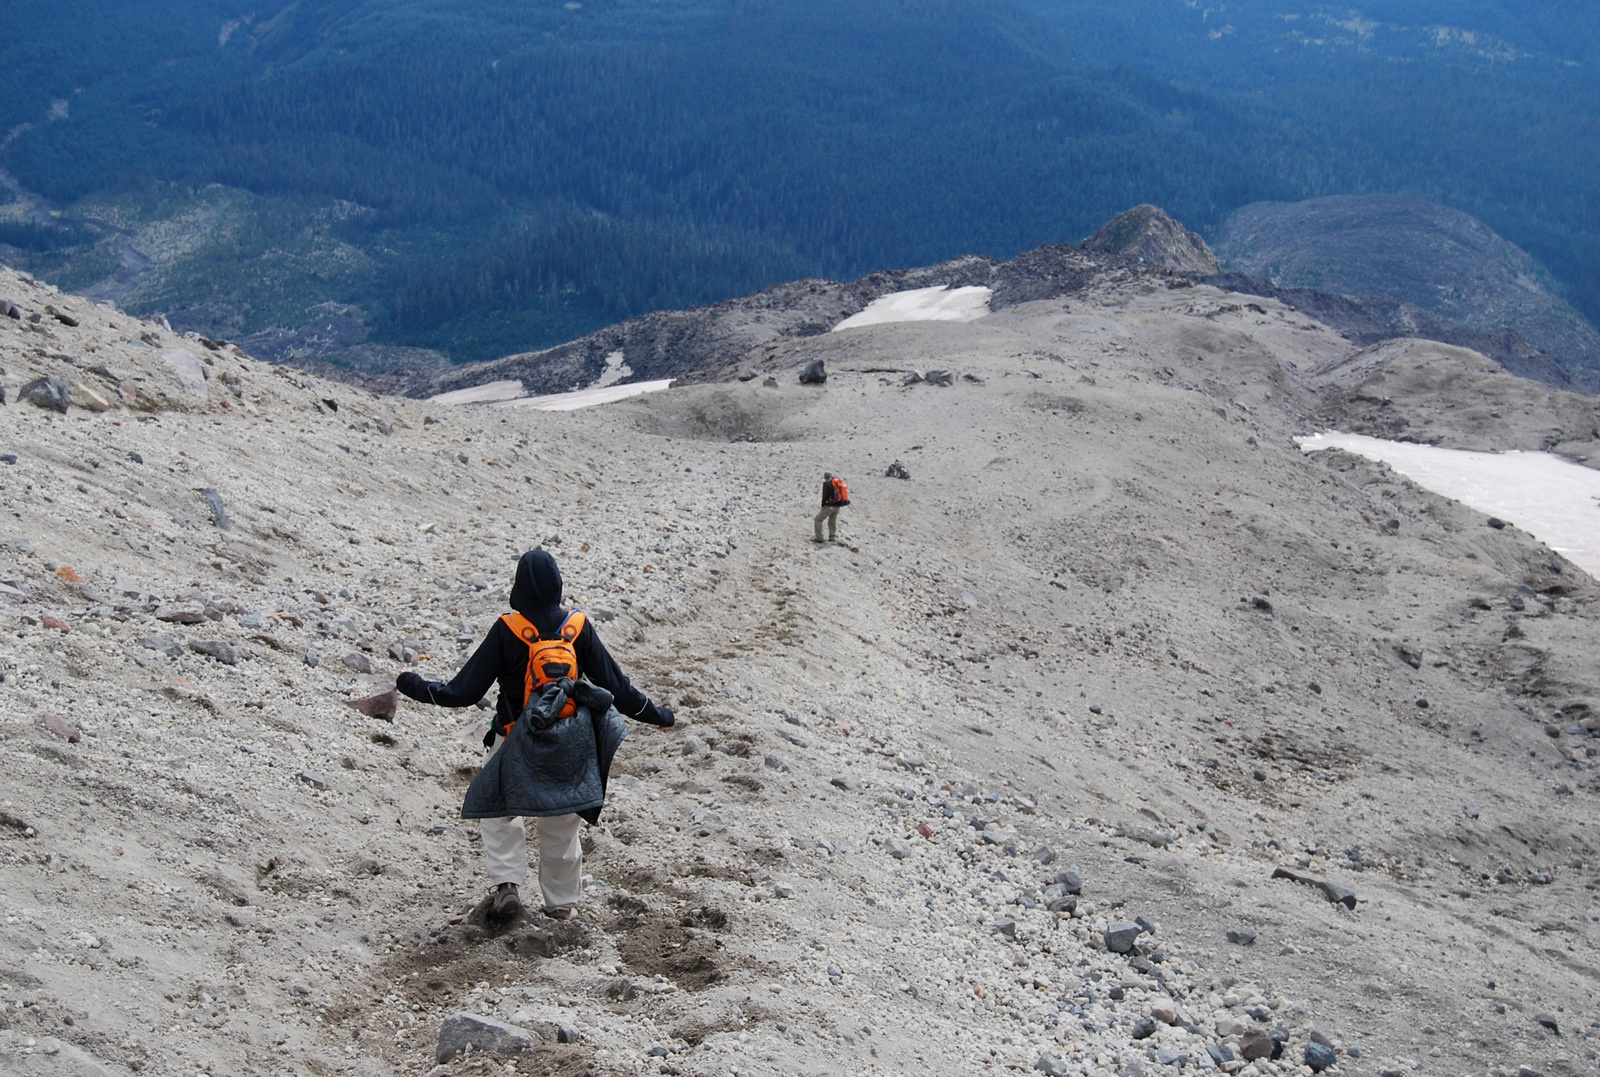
498 176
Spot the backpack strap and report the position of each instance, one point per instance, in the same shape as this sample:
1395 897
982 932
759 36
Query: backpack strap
572 627
521 627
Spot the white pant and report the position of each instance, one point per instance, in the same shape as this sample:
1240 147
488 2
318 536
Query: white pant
505 854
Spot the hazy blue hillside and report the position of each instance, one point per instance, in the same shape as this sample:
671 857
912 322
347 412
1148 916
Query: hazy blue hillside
488 177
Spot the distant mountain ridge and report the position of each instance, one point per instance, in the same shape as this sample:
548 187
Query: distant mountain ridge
1417 269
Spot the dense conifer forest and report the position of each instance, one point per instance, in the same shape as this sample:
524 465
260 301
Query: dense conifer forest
494 176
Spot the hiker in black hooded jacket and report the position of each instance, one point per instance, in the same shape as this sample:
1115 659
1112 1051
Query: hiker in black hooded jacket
503 657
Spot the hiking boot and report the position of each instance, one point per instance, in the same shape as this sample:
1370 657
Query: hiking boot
506 903
565 912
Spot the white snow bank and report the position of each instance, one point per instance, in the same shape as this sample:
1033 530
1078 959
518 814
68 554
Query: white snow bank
1555 500
588 398
489 393
936 304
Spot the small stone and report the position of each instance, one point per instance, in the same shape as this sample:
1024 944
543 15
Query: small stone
1470 813
814 373
1172 1058
219 514
778 764
1528 1071
1242 936
1165 1014
462 1030
312 659
382 705
176 616
1070 881
163 643
1145 924
1393 1071
1121 935
1319 1057
215 648
1255 1045
359 662
8 458
897 848
136 457
1006 926
60 727
1052 1065
1044 855
1143 1029
897 470
315 781
1219 1053
568 1034
1116 994
1497 523
782 890
658 1051
1548 1020
52 394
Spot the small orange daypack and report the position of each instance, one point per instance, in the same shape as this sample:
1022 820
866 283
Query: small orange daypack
841 492
548 659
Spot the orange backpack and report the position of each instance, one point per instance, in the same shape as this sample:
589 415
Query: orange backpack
548 659
841 492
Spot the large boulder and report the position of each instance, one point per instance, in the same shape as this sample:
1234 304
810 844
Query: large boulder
462 1030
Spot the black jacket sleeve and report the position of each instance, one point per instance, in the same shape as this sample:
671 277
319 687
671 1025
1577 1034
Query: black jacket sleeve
472 683
599 667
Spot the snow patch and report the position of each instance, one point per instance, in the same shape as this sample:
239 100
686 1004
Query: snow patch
489 393
588 398
1554 500
615 371
936 304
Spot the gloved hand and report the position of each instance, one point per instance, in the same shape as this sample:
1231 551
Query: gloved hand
656 716
413 685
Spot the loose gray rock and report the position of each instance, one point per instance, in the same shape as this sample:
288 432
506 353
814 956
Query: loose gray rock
848 782
814 373
1339 895
165 644
1548 1020
1070 881
1254 1045
945 378
1319 1057
1045 855
358 662
1147 925
775 763
897 848
462 1030
1242 936
1007 927
219 515
897 470
315 781
382 705
1143 1029
1052 1065
567 1034
52 394
176 616
312 659
10 310
1120 936
221 650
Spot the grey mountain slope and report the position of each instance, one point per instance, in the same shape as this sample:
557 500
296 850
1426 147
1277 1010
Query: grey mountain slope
1419 269
1113 612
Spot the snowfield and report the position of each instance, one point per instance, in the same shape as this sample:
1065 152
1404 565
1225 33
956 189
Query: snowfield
923 305
1552 499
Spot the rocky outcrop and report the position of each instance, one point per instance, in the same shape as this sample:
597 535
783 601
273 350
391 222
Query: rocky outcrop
1416 269
1148 234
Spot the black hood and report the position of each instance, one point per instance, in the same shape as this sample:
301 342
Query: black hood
537 592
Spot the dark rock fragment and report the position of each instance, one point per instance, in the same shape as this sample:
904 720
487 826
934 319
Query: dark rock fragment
1242 936
1497 523
1339 895
462 1030
1144 1029
1548 1020
61 727
1255 1045
1121 935
1319 1057
50 393
897 470
814 373
215 648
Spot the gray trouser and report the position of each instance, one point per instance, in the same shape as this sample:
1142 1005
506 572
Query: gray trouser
505 853
831 514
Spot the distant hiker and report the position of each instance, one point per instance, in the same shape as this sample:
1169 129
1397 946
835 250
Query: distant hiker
835 496
556 734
